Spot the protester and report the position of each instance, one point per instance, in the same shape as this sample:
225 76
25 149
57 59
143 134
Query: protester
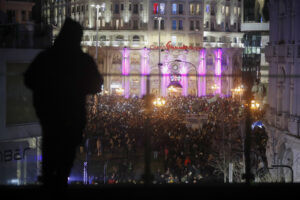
186 154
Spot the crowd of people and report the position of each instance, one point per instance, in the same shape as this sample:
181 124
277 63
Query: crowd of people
116 126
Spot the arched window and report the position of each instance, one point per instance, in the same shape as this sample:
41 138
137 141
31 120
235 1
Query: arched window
136 38
102 38
86 38
120 38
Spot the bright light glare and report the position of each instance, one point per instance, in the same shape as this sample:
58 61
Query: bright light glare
159 102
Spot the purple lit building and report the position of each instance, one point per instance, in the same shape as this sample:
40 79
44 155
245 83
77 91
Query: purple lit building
197 37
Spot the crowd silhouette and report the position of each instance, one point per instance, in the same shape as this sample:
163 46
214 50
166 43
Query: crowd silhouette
116 126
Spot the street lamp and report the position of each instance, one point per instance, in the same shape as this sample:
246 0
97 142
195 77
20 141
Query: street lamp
120 91
97 16
97 6
239 90
177 60
215 87
158 102
254 105
159 63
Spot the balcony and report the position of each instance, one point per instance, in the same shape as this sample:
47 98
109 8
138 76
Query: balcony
255 27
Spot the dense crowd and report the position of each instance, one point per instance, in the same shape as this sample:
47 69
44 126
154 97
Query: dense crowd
117 125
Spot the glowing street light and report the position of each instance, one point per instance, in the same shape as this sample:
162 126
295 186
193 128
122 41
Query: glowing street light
254 105
215 87
120 91
159 102
172 89
239 90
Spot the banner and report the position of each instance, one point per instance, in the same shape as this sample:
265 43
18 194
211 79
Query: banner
195 121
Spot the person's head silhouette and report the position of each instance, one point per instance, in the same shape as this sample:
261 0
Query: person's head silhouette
70 35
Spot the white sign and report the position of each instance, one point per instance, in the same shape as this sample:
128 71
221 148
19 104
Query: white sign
195 121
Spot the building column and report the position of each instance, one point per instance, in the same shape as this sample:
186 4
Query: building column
272 92
125 73
201 84
286 91
144 71
184 79
165 79
218 70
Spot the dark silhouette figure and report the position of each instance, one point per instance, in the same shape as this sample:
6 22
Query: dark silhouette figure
60 78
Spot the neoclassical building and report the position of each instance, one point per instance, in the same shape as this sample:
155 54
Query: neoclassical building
174 40
283 120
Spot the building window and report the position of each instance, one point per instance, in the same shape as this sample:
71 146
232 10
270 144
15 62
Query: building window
207 8
135 24
197 25
191 25
135 9
155 27
192 9
23 15
180 9
207 24
162 8
136 38
30 15
155 8
223 9
174 24
120 38
198 9
162 24
141 7
174 8
11 16
122 7
212 11
227 10
102 38
116 9
117 24
180 25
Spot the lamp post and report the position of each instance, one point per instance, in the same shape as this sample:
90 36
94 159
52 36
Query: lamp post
253 106
195 70
159 63
97 6
239 90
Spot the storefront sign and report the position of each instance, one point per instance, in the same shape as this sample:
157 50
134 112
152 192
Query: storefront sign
169 46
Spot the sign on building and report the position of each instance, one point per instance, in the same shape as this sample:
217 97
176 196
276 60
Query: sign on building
20 161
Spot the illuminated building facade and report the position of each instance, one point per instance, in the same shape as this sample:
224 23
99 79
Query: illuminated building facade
283 116
172 40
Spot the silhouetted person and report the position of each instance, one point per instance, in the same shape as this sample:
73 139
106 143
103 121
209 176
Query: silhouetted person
60 78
